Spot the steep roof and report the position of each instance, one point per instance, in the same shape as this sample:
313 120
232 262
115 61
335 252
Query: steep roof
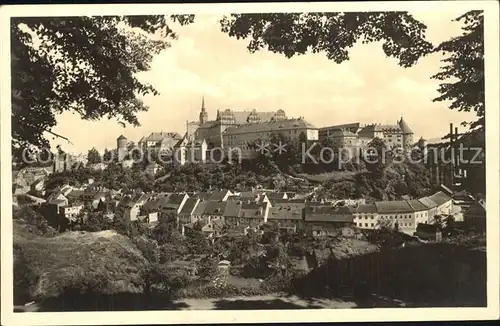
270 126
404 127
252 210
417 205
218 195
285 213
427 228
214 208
241 117
276 195
210 208
392 207
207 124
200 208
366 208
328 214
380 128
354 125
248 116
476 210
440 198
189 205
284 203
429 203
137 198
151 205
176 199
202 195
122 137
159 136
232 209
57 201
249 194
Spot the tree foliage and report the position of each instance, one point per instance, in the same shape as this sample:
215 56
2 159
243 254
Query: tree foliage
402 36
463 70
84 65
93 156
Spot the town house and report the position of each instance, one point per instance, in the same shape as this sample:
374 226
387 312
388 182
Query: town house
287 214
327 220
185 216
475 217
253 215
443 202
173 203
365 216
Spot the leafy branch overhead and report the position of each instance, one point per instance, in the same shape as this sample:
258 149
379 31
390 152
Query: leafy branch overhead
401 35
292 34
84 65
463 71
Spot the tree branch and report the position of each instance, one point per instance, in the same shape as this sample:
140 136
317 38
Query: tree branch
59 136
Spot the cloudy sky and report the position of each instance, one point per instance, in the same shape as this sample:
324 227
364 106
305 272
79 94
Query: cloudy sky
205 62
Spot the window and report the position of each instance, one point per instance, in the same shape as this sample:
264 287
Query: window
366 224
372 225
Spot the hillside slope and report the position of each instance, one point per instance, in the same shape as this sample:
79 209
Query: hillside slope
440 274
75 262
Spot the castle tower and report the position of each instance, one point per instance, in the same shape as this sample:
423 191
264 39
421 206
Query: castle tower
121 147
203 113
407 134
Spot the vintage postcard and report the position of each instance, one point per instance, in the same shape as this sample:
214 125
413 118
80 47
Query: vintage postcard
277 162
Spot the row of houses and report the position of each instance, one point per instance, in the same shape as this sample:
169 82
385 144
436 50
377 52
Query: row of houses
251 210
29 179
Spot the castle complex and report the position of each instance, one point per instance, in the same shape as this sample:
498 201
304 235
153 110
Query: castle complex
212 130
356 136
239 129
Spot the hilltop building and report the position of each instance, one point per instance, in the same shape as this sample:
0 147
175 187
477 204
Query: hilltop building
212 130
242 137
159 141
356 136
121 147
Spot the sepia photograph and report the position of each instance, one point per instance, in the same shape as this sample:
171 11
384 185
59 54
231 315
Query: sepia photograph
258 157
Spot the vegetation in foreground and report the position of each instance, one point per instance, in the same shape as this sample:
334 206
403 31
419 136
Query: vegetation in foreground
106 270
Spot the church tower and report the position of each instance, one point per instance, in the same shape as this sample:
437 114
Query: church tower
203 113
